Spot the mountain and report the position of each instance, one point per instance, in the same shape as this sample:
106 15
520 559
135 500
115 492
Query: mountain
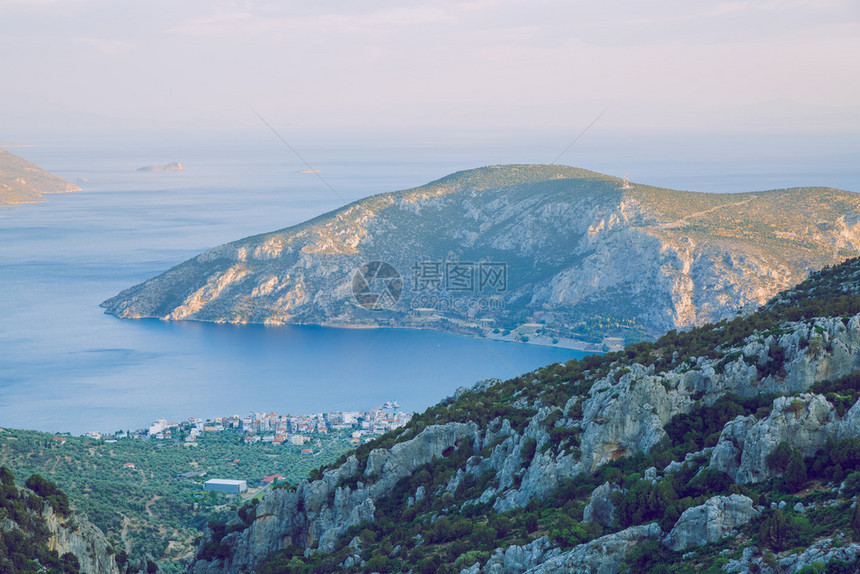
516 251
39 533
730 447
25 182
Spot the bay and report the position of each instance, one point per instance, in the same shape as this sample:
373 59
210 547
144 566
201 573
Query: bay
66 366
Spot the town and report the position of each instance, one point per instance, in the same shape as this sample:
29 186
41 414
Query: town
270 427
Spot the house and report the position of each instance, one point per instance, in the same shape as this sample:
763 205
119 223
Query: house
271 479
225 485
128 465
307 451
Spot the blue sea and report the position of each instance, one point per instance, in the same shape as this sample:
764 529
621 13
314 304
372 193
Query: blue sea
66 366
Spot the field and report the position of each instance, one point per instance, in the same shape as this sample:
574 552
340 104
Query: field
150 509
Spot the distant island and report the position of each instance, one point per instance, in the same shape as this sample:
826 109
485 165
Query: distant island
533 253
24 182
172 166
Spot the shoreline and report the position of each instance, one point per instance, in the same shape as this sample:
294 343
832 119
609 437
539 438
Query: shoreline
466 331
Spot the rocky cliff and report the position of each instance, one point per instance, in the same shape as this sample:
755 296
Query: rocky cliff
25 182
533 249
38 532
83 539
736 442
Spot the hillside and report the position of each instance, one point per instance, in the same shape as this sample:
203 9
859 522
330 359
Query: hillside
517 251
39 533
25 182
152 512
730 447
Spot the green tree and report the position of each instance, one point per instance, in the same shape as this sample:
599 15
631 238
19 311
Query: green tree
855 520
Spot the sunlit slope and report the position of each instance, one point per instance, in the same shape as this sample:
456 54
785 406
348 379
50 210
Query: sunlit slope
583 257
25 182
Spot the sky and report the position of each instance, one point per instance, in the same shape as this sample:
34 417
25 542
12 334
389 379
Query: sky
208 65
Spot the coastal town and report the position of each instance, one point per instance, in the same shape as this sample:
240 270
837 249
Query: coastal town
277 429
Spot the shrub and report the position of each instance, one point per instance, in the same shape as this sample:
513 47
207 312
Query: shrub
795 406
779 459
781 533
469 558
528 451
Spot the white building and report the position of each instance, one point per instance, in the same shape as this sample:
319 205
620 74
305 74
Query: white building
225 485
158 426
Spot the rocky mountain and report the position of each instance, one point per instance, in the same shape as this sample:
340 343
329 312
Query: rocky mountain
730 447
516 251
39 533
25 182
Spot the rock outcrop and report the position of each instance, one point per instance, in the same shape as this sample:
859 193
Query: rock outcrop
804 422
516 559
602 556
504 247
81 538
821 552
38 532
717 518
600 508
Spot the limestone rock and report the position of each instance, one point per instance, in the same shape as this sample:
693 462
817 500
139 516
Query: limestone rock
82 538
803 422
600 508
710 522
517 559
821 551
601 556
726 456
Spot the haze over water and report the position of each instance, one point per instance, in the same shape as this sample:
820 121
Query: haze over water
65 366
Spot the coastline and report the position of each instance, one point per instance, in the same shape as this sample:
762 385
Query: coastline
466 330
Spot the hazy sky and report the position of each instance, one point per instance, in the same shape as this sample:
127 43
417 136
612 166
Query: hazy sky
201 64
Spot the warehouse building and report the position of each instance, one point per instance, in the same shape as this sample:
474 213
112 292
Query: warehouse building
224 485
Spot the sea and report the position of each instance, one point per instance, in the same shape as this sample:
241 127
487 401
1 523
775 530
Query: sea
66 366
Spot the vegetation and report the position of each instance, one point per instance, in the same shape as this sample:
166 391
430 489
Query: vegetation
24 547
454 528
528 217
456 524
151 510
